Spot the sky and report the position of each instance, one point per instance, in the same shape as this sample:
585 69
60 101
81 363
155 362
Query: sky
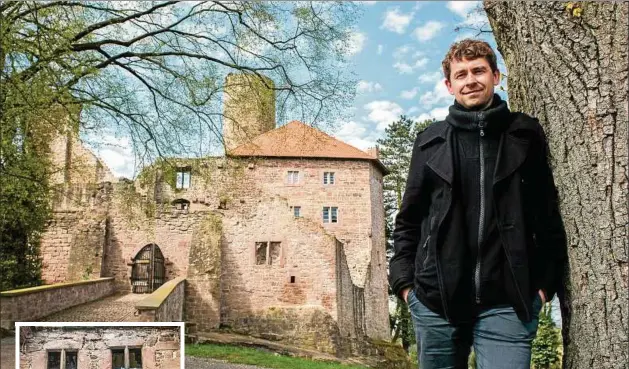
399 59
395 55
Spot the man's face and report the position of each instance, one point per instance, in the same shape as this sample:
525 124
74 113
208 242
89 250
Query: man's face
472 82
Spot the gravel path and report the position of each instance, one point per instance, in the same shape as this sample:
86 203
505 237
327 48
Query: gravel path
205 363
115 308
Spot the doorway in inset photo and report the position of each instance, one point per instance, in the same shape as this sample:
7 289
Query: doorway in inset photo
55 346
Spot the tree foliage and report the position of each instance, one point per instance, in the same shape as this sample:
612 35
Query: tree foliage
545 353
395 152
152 72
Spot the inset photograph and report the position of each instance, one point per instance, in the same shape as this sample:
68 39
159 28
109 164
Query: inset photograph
99 345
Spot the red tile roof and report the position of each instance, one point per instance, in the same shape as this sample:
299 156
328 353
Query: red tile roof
299 140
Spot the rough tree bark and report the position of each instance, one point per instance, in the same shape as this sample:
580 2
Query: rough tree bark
567 65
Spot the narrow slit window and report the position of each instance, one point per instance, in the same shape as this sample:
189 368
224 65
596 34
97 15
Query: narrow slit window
326 214
275 253
334 215
261 253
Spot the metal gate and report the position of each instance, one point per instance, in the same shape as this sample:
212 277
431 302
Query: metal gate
147 273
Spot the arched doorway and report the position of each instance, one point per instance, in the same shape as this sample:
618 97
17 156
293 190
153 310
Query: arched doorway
147 272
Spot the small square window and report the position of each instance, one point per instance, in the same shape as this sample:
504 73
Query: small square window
328 178
183 178
126 358
296 211
261 251
293 177
330 214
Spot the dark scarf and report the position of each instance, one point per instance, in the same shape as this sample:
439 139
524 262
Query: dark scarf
494 116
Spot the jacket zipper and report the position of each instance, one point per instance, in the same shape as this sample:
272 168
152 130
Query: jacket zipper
481 219
432 222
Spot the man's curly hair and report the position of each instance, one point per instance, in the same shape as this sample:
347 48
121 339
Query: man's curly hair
468 49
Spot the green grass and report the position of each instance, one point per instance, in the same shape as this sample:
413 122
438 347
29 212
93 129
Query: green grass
245 355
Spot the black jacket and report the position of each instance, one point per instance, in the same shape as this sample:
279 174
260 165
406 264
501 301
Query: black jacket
428 231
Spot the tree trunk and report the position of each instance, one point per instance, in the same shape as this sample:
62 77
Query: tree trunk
567 66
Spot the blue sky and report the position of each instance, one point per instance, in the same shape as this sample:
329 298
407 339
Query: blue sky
397 59
396 56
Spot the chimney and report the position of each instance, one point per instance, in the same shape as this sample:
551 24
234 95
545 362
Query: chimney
248 108
374 152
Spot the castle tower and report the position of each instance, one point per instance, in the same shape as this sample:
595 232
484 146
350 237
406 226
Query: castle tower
248 108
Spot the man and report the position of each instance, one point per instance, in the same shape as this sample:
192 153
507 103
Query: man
479 241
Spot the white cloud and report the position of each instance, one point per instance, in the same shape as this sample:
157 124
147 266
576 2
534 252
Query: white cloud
436 113
409 94
115 152
368 3
395 21
383 113
428 30
462 8
380 49
404 68
431 77
356 43
401 51
438 95
366 86
353 133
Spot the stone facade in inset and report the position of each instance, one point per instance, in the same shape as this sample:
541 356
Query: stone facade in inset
100 347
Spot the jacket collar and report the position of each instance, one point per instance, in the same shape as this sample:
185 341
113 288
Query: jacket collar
512 149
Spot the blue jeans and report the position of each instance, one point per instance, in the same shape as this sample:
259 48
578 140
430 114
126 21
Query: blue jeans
499 338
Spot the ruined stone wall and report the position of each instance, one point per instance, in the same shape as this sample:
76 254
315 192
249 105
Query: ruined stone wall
72 163
351 306
376 286
203 284
30 304
75 237
160 346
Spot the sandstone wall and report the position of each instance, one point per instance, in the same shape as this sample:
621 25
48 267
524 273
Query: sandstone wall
33 303
302 274
160 346
166 304
203 285
73 242
376 286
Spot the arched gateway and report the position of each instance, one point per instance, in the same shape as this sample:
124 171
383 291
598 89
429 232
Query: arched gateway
148 272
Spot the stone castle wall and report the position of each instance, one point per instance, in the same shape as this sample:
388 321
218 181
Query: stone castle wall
160 346
75 237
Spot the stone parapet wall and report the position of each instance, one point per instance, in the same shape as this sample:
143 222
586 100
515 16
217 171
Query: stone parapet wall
165 304
160 346
34 303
